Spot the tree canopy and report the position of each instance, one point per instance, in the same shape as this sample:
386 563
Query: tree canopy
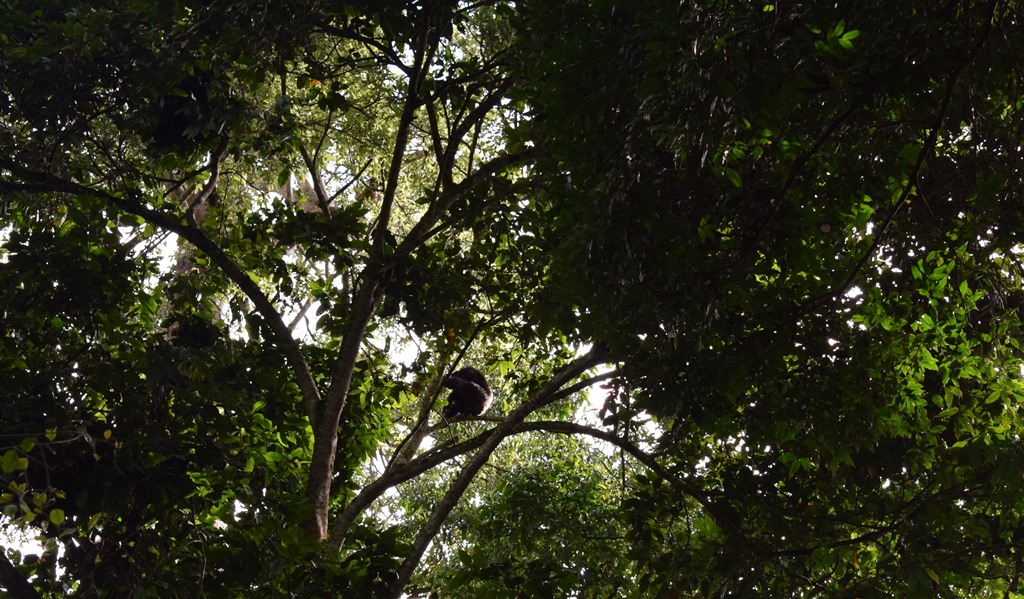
745 278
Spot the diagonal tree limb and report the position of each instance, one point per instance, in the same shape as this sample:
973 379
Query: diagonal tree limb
210 186
580 386
318 184
926 149
594 357
13 581
424 228
475 117
406 472
427 45
328 411
37 182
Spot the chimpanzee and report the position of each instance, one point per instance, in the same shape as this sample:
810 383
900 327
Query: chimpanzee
470 396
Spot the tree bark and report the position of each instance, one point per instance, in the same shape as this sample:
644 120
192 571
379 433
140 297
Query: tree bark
326 420
327 415
13 582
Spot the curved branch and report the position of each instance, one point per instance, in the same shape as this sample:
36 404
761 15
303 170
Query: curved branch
12 580
209 187
428 461
570 428
424 229
248 286
318 184
595 356
46 183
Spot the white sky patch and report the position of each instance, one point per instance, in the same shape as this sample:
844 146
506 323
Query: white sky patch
5 235
13 538
589 412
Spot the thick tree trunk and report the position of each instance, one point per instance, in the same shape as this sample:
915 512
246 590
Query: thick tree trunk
326 420
13 582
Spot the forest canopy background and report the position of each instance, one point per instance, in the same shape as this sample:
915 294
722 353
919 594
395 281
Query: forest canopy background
745 278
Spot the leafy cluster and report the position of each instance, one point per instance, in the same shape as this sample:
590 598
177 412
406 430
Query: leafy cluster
745 278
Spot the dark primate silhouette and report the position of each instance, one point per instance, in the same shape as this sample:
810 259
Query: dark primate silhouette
470 396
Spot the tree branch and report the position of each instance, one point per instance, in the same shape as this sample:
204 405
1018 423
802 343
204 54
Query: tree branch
318 185
474 117
595 356
570 428
926 149
581 386
424 228
397 476
12 580
328 415
210 186
412 102
428 461
37 182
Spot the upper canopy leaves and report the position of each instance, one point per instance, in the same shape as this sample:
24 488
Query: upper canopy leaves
242 243
796 224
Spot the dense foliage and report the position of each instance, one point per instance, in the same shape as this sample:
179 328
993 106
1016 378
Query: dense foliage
802 228
745 278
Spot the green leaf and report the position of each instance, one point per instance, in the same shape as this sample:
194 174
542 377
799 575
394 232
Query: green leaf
273 456
12 462
734 177
928 361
